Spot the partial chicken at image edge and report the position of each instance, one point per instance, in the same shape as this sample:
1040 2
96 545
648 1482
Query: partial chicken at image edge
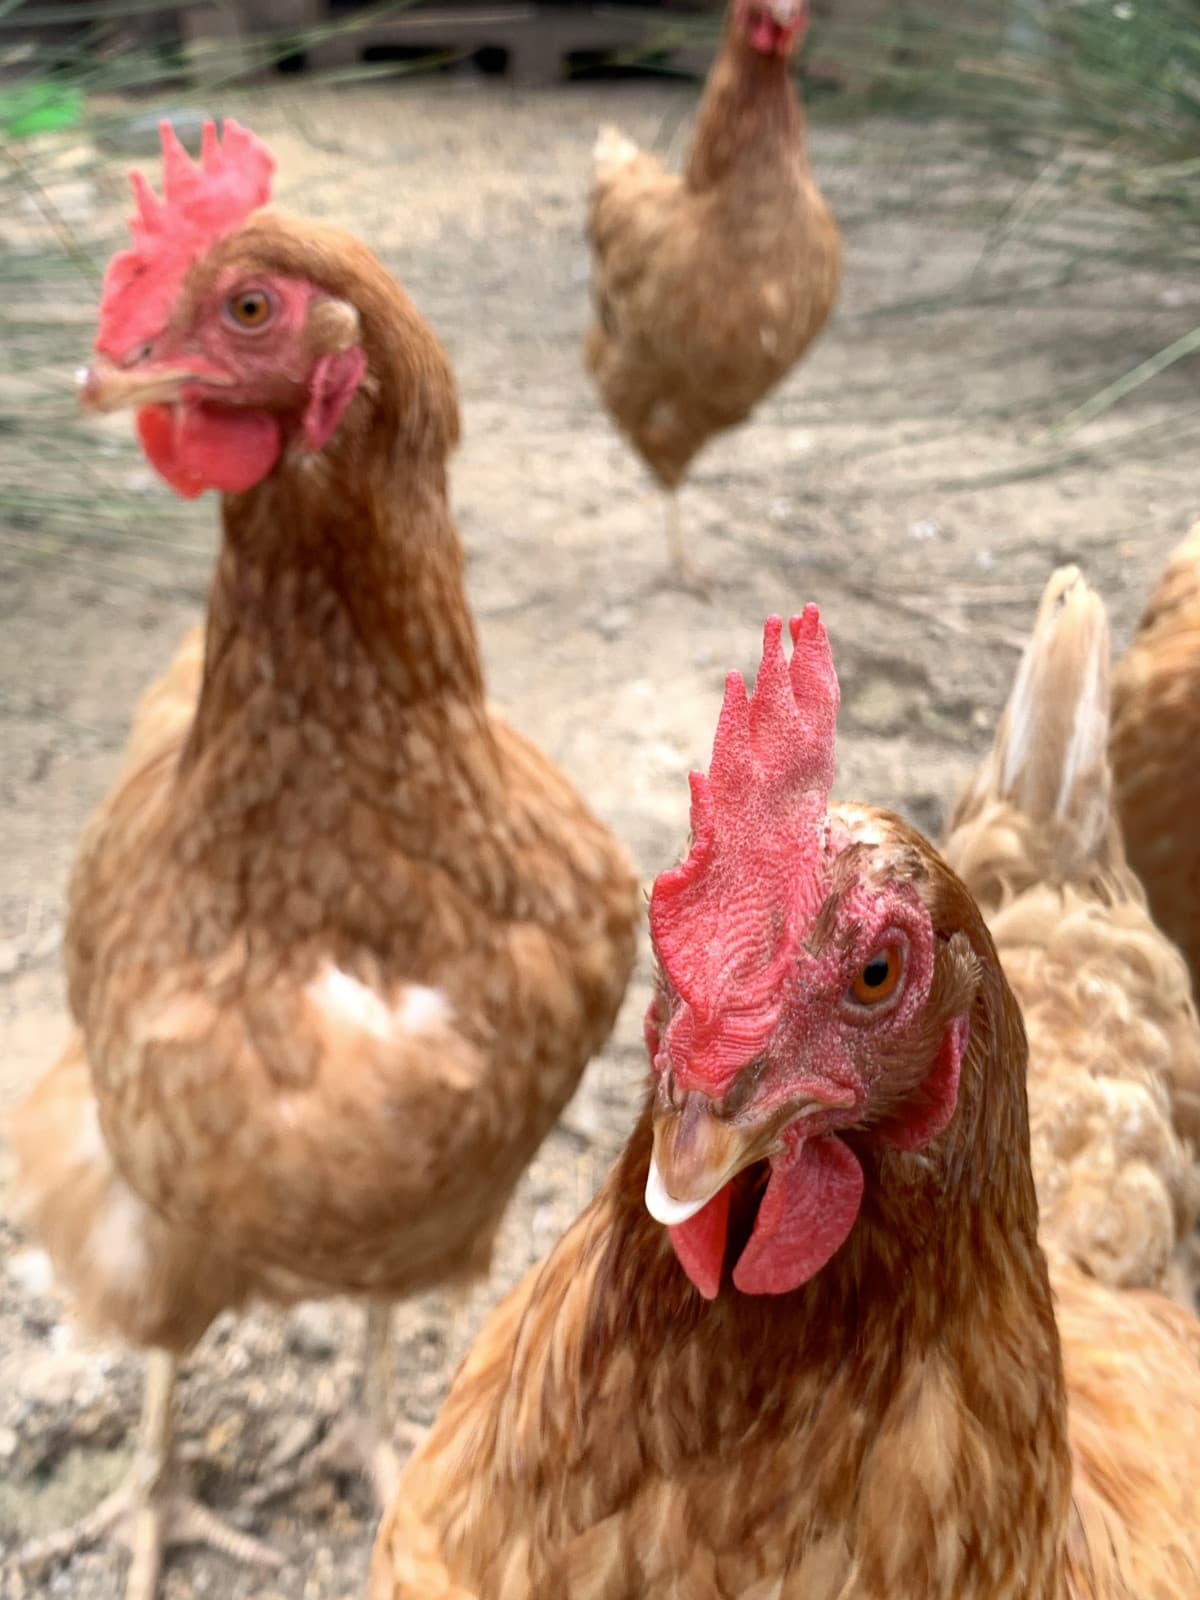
906 1389
1114 1040
708 288
1155 745
339 942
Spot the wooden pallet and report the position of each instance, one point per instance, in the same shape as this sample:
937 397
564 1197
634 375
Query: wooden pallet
535 36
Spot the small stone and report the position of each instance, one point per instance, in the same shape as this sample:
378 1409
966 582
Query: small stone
312 1331
613 622
880 704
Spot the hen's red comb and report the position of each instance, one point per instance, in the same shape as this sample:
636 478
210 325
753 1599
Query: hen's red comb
720 919
201 203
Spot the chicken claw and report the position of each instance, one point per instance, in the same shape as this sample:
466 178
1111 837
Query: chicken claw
145 1511
361 1441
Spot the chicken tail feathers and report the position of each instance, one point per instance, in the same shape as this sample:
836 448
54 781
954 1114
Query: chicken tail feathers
1050 758
611 152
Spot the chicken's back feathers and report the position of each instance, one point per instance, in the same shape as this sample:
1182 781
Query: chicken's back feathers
1114 1039
1155 738
1048 764
1132 1364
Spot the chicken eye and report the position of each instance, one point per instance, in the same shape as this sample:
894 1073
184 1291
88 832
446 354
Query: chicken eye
249 308
878 977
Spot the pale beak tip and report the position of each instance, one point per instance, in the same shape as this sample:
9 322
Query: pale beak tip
89 389
662 1206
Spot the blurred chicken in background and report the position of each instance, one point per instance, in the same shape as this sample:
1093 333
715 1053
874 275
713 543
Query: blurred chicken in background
1114 1041
709 287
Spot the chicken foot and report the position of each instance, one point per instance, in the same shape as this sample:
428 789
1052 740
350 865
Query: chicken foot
148 1512
684 573
361 1441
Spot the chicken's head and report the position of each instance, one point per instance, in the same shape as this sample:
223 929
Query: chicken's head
225 360
773 27
804 993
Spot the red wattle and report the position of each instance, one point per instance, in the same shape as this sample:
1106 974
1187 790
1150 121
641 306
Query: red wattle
700 1244
156 429
767 35
805 1215
198 447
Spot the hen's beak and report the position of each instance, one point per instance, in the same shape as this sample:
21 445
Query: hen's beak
788 13
697 1151
104 386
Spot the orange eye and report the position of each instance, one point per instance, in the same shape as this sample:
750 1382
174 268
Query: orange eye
250 308
878 978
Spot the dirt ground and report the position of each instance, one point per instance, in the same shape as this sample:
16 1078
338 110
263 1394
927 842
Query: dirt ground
905 477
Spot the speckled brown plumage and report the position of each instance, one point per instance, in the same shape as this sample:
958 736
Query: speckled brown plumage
613 1435
939 1414
1114 1078
340 942
708 287
1155 737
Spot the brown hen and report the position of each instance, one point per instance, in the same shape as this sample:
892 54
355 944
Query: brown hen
1155 737
1114 1042
838 1373
340 942
709 287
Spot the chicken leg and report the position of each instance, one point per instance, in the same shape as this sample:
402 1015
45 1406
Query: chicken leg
684 574
147 1510
361 1441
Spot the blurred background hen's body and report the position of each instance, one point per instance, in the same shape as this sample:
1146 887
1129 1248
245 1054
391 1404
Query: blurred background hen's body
340 942
709 287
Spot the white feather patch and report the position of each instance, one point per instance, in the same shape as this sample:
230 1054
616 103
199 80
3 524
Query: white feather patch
343 999
33 1271
612 150
117 1242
